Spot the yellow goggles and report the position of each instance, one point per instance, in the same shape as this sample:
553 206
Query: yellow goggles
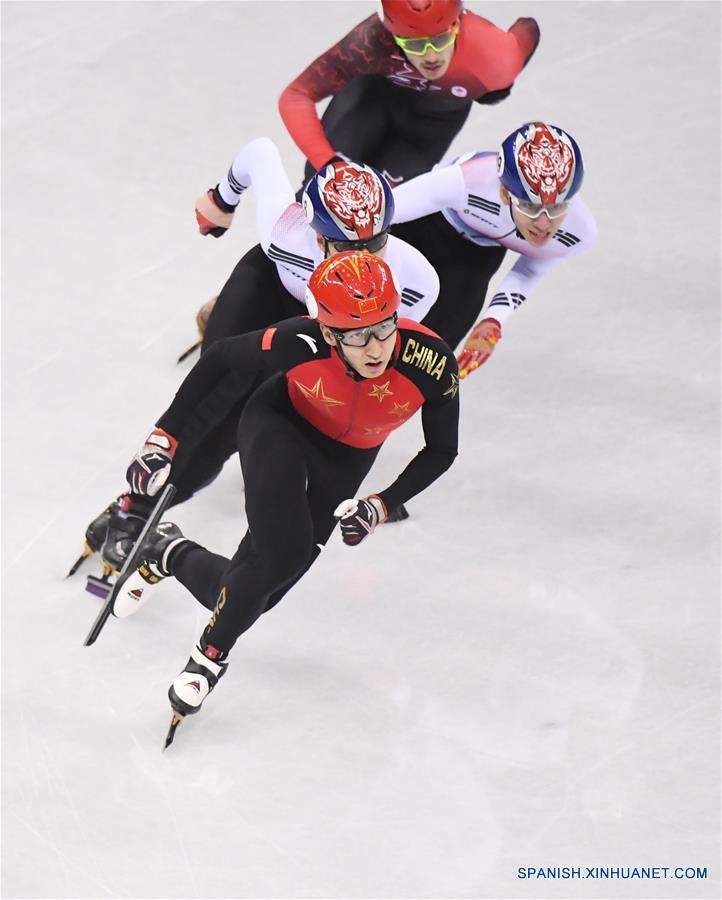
418 46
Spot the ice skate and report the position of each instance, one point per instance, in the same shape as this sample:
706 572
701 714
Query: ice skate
133 558
192 349
121 531
152 568
95 535
194 684
397 515
201 321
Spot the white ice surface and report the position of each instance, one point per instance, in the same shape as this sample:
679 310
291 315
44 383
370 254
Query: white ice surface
526 673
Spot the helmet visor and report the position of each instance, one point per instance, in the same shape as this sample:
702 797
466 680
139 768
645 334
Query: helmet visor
359 337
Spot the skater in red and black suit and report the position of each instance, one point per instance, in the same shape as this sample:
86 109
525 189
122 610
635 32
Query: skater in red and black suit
402 85
324 393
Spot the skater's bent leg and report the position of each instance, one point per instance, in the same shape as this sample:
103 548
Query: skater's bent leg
294 480
247 301
200 572
246 587
202 463
279 545
261 563
325 491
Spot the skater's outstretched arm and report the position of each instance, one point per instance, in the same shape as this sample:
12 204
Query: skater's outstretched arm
259 165
441 188
221 378
580 232
440 420
363 51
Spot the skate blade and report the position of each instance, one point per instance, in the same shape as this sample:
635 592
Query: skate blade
187 353
99 587
174 723
87 552
132 596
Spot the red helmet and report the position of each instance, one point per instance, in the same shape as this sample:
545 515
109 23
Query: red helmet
352 289
420 18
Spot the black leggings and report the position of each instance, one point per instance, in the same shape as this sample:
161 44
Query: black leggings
400 133
253 298
464 271
295 477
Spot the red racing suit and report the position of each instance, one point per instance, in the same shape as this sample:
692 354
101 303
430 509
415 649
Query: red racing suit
484 67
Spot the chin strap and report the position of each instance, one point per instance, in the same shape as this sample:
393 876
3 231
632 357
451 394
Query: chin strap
350 371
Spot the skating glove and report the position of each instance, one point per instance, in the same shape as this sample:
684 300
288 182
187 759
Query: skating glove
213 214
359 518
479 346
150 467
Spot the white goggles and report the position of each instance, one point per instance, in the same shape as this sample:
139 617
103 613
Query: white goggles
534 210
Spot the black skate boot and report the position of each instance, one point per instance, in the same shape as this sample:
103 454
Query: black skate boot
201 674
95 535
398 514
125 523
155 552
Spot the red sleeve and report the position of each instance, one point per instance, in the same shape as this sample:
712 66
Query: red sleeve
364 51
526 32
512 51
490 56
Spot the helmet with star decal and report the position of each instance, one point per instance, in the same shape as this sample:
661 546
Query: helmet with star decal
351 290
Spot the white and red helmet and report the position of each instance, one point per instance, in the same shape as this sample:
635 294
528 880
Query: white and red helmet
540 163
347 201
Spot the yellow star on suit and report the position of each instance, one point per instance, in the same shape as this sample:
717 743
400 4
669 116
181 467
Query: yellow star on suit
317 394
379 391
400 409
454 389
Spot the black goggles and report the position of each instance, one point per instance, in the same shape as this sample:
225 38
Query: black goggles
359 337
371 245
